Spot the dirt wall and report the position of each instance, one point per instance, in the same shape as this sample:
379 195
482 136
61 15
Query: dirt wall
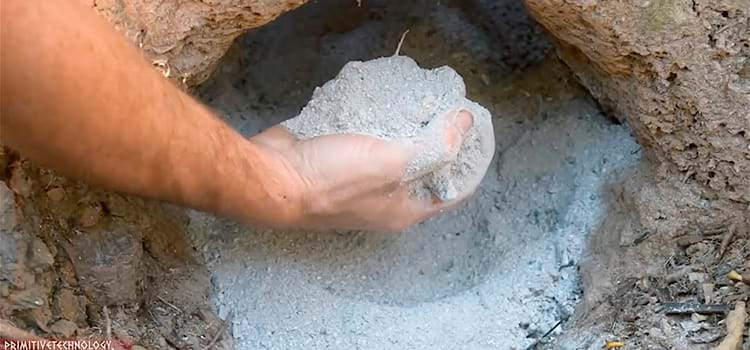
76 261
677 70
186 38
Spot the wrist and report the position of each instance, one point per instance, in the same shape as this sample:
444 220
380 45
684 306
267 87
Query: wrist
230 175
259 187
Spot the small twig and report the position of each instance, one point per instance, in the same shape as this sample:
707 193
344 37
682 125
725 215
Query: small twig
644 235
688 174
715 230
694 308
153 318
108 323
679 273
400 42
220 331
727 27
169 304
539 341
727 240
686 241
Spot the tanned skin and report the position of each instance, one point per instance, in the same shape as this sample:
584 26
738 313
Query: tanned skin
77 97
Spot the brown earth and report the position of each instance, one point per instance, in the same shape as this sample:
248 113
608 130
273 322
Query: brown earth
77 261
186 38
661 244
677 70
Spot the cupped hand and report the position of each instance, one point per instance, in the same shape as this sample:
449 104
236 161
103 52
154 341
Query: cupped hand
349 181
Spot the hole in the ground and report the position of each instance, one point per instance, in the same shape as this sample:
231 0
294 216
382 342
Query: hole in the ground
501 259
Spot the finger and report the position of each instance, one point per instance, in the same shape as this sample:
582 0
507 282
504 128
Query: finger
425 208
277 137
461 124
438 143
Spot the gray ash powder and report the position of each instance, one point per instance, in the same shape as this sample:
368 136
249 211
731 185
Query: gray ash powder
393 98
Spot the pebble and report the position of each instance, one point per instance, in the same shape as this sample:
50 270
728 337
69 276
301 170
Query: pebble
20 182
90 216
40 255
697 248
64 328
68 305
56 194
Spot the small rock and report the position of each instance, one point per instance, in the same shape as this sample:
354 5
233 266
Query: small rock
20 182
697 277
41 317
691 325
206 315
28 299
708 292
107 263
137 347
68 305
161 343
8 211
40 256
699 248
56 194
90 216
64 328
486 79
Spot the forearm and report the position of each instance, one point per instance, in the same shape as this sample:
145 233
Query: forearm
76 96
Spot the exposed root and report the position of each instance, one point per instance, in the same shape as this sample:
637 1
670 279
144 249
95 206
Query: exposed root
108 324
735 328
400 42
220 331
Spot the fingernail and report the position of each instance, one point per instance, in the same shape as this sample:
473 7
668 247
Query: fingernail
463 121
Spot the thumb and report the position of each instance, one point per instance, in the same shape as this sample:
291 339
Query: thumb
438 143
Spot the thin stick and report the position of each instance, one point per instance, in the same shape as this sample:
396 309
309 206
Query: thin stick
219 332
400 42
153 318
727 240
694 308
108 323
169 304
541 339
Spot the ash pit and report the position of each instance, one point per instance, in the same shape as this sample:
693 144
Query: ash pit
499 271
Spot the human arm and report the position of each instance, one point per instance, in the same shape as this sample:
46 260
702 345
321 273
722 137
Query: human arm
79 98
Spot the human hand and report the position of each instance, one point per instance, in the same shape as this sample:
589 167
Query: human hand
351 181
